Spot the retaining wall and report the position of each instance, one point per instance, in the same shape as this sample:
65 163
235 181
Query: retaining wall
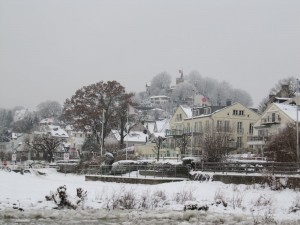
293 182
130 180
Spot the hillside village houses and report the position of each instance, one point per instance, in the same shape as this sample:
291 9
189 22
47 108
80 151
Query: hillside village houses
183 130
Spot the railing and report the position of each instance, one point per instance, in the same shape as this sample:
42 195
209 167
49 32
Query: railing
249 167
174 132
255 138
187 131
270 119
139 171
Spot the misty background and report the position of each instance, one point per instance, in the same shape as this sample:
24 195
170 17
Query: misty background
51 48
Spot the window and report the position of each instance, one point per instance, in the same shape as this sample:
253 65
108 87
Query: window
263 132
219 125
273 117
178 117
226 126
206 125
239 142
196 128
188 127
251 128
238 112
207 111
239 127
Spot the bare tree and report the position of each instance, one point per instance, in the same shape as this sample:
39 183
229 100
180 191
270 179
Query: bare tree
90 145
44 144
290 81
282 146
215 142
158 145
26 124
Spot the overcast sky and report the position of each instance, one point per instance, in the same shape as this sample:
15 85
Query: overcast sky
51 48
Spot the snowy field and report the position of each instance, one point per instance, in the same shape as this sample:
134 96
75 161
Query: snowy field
22 201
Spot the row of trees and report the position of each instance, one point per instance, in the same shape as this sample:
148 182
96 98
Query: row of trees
217 92
29 120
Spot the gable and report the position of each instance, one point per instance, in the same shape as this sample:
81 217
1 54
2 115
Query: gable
237 111
180 114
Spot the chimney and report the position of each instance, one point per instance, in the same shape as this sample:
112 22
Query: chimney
228 102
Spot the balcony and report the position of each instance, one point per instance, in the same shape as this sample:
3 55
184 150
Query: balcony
275 119
173 132
185 131
256 140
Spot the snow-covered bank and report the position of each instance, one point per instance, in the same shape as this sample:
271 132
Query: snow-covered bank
160 203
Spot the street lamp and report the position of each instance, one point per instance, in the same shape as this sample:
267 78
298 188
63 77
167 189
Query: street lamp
102 127
297 91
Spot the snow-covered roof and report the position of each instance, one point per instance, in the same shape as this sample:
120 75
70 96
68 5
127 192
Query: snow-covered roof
280 98
187 110
57 131
125 162
159 96
158 126
47 121
158 109
134 136
116 134
289 110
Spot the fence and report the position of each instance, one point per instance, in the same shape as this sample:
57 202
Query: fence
180 171
139 171
249 167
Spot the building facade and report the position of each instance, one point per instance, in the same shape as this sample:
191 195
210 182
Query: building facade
188 132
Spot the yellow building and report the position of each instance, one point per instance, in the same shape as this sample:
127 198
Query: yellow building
187 131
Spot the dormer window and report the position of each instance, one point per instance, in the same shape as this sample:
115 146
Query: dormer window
178 117
207 111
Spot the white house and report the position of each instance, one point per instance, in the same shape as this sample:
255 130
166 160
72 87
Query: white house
273 120
159 99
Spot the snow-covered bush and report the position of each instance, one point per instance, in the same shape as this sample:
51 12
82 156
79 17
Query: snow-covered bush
296 204
145 201
237 198
127 200
200 177
63 200
158 199
219 198
263 201
273 182
193 205
183 196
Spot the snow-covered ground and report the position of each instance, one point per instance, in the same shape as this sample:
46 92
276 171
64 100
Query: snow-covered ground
22 201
